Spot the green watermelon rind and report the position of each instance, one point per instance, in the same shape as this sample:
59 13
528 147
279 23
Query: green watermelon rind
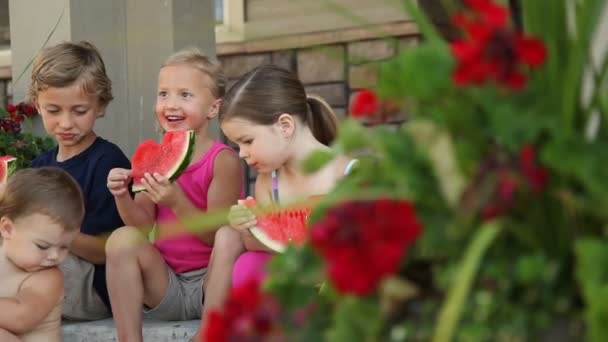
265 240
181 167
11 167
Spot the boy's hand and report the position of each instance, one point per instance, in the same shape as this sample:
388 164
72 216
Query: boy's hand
118 181
160 190
241 217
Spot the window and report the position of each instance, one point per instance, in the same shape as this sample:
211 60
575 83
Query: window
230 20
219 12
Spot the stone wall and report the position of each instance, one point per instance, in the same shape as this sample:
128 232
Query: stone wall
334 71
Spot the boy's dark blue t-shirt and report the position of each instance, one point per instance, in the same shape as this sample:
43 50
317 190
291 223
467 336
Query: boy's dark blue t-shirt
90 169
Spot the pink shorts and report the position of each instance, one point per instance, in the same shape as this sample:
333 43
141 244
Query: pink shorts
250 265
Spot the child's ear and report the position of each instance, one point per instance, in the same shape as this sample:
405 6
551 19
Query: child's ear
6 228
101 112
215 109
36 105
287 124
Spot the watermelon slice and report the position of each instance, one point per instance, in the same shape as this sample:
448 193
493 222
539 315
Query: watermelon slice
169 158
7 167
280 227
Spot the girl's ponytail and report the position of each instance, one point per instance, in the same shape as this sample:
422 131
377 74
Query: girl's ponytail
322 120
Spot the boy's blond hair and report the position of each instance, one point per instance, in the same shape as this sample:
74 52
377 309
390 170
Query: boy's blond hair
50 191
196 58
63 64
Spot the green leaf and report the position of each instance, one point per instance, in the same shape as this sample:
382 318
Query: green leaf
295 277
603 101
453 305
582 163
418 73
592 274
531 269
424 22
438 145
317 160
352 136
355 319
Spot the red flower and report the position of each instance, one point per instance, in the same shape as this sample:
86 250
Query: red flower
536 176
491 211
216 327
248 315
9 125
363 242
510 177
507 187
15 117
11 108
365 103
531 50
26 109
491 50
503 197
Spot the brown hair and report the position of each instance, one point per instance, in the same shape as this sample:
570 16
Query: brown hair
63 64
47 190
268 91
197 59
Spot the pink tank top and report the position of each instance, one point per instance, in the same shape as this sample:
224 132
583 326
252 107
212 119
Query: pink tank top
187 252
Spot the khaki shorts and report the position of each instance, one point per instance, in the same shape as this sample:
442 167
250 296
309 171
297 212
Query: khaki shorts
183 299
81 300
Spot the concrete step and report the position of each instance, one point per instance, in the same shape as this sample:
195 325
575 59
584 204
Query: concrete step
104 331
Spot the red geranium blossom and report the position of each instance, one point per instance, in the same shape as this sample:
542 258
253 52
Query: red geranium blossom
248 315
26 109
510 177
16 114
491 48
363 242
536 176
503 198
365 103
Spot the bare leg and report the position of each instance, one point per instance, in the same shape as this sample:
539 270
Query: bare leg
227 247
136 274
6 336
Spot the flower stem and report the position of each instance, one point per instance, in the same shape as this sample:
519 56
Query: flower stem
452 308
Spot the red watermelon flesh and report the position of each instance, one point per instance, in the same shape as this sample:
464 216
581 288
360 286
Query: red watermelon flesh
278 228
169 158
7 167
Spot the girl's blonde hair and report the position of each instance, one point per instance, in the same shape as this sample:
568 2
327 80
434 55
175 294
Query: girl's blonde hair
50 191
268 91
63 64
197 59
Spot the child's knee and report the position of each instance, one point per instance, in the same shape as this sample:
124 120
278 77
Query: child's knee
123 241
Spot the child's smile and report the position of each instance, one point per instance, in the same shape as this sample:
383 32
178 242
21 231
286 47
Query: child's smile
183 99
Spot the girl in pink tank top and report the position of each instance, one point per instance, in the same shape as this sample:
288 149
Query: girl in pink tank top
171 277
187 252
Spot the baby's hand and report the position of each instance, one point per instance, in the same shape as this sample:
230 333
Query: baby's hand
118 181
241 217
